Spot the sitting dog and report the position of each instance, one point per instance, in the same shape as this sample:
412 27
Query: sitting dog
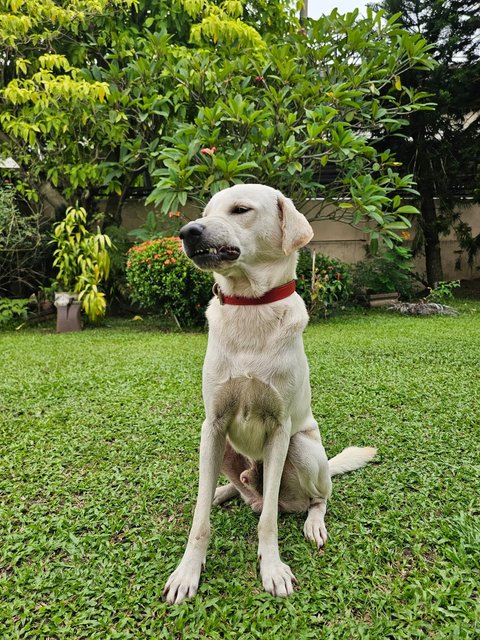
256 388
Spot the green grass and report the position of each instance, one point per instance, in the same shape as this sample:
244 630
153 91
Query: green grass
99 436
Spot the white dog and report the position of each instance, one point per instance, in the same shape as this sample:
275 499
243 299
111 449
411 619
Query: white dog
256 382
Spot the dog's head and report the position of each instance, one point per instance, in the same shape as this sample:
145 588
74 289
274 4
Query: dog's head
243 226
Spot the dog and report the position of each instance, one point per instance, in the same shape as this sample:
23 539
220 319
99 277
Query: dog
259 428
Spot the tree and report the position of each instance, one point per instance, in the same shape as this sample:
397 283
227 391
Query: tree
305 114
84 97
120 95
442 147
45 100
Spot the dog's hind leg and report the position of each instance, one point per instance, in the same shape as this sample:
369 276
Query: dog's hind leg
224 493
308 457
314 528
234 467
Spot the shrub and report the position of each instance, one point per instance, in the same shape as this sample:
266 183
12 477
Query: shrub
443 292
22 246
13 310
83 261
389 272
161 277
331 286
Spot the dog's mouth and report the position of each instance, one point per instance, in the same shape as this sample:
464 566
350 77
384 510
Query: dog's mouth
212 256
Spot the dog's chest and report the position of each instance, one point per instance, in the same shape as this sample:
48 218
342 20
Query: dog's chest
253 366
250 411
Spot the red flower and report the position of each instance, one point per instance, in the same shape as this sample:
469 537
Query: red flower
208 152
259 78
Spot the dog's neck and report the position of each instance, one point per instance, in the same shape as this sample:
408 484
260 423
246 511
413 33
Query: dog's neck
255 282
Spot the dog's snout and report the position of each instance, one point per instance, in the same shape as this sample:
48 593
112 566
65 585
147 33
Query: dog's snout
191 231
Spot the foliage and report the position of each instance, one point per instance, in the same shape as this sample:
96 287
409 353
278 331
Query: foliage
21 245
156 227
443 292
468 243
442 147
98 488
12 310
48 106
330 287
160 276
83 261
388 272
304 116
152 85
85 91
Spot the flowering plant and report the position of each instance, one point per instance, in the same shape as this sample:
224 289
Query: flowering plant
328 287
161 277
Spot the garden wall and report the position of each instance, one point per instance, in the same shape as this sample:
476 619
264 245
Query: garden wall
340 240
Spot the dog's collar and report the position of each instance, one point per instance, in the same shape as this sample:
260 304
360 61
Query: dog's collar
278 293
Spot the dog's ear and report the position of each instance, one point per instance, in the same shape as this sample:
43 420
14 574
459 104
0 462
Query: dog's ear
296 230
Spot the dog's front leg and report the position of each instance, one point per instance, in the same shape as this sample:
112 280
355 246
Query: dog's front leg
183 582
277 578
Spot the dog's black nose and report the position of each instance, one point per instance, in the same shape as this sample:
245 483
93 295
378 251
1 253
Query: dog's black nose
191 231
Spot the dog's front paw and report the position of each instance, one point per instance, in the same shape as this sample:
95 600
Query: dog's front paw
183 582
277 578
315 531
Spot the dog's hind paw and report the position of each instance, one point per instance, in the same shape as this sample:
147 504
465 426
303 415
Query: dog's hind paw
224 493
315 531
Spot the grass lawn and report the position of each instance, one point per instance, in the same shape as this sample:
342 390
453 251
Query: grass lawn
99 436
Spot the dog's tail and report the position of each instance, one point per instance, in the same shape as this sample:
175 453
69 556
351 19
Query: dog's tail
350 459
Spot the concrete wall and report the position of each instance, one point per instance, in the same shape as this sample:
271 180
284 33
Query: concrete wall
342 241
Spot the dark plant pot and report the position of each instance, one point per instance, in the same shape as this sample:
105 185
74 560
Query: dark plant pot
382 299
68 312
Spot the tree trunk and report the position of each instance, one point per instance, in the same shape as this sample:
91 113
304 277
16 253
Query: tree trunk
433 256
426 186
54 198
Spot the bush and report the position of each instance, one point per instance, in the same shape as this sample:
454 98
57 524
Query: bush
83 260
22 247
161 277
11 311
386 273
331 286
443 292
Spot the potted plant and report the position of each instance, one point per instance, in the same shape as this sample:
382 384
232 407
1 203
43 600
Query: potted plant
382 279
83 262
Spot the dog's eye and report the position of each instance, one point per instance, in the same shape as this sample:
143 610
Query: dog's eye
238 210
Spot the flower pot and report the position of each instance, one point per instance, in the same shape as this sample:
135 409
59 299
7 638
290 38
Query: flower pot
68 312
382 299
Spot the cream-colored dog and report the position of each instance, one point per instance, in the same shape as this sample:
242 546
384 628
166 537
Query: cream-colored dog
256 382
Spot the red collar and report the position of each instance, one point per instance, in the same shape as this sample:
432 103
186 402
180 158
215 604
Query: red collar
283 291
